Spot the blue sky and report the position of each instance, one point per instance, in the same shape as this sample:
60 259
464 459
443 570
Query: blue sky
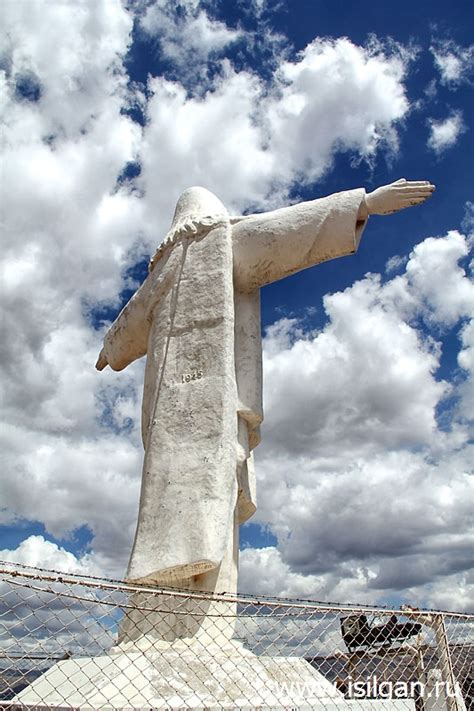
111 110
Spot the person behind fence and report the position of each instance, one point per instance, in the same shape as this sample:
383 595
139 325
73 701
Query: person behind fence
196 317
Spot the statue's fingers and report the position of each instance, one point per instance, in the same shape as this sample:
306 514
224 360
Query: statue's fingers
101 361
189 228
413 186
422 194
400 181
407 202
407 193
417 192
418 186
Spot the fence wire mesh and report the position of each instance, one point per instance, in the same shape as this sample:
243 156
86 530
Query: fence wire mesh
70 641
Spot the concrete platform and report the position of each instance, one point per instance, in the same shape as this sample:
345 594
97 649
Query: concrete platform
176 676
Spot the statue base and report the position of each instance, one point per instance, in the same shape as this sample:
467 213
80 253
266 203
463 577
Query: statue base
180 675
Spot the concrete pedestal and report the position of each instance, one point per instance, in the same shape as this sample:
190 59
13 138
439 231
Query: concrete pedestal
179 676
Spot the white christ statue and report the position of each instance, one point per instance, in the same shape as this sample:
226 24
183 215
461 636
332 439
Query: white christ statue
196 317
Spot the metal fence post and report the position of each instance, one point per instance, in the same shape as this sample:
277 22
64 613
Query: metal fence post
445 662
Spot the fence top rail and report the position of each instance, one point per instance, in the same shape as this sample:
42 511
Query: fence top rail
9 570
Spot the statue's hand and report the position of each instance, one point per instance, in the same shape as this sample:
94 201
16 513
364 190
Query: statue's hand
102 361
398 195
187 227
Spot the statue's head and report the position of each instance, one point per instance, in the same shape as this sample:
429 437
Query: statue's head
196 203
196 213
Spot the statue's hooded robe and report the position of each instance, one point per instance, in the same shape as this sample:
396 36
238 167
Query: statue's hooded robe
197 319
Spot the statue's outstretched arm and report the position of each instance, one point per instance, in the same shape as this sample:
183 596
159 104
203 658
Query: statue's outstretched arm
127 338
273 245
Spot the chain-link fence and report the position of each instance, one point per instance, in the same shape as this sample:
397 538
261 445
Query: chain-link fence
70 641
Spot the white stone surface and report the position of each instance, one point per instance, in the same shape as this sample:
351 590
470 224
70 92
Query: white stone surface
169 617
197 319
190 676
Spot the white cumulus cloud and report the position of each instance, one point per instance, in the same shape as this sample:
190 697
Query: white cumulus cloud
454 63
37 552
268 137
363 488
188 34
445 132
